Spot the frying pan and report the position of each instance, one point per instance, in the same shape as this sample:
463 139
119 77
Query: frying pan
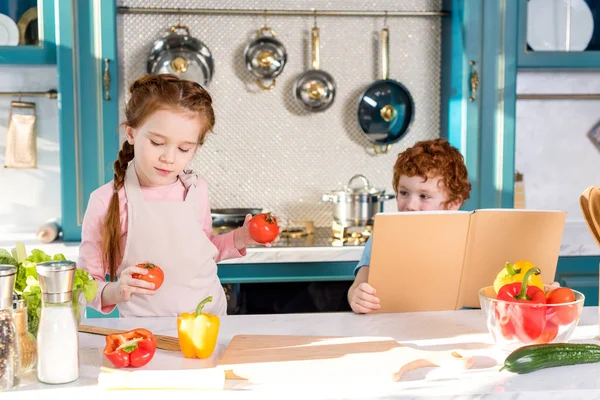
233 217
315 89
386 108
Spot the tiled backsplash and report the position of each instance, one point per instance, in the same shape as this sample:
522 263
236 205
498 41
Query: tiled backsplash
268 152
29 197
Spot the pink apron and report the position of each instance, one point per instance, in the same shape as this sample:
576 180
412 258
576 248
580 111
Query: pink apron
169 234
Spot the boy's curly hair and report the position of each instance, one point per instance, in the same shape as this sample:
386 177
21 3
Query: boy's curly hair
431 158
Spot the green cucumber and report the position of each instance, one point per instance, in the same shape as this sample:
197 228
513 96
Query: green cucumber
539 356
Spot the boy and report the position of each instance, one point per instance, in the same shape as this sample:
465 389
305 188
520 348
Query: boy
431 175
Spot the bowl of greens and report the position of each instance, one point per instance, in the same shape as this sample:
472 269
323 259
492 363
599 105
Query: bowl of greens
27 285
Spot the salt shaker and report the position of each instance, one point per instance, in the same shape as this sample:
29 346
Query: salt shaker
57 341
9 344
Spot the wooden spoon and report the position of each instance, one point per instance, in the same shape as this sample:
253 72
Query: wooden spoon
589 202
162 342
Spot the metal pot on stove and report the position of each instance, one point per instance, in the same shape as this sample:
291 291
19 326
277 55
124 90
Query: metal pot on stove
356 206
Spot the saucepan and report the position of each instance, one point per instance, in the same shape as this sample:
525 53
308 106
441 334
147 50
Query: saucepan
386 108
356 206
315 89
265 57
183 55
231 217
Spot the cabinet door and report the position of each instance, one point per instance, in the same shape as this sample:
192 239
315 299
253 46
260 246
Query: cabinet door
34 22
559 34
478 95
88 103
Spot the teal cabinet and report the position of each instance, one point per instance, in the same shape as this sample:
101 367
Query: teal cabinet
88 103
580 273
585 18
31 54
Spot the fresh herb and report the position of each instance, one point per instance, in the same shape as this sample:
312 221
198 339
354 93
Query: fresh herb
28 286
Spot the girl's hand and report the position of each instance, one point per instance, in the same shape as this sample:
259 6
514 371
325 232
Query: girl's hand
242 236
128 285
363 299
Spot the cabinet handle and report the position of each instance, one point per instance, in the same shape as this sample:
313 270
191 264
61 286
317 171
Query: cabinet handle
106 80
474 81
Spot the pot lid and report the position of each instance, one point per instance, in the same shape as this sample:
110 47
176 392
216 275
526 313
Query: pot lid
366 187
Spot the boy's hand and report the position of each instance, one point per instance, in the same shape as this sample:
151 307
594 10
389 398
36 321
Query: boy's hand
363 299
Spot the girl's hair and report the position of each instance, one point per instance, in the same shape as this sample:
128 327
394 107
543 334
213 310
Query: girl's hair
149 94
435 158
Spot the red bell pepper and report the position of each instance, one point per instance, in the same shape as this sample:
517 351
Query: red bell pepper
526 309
134 348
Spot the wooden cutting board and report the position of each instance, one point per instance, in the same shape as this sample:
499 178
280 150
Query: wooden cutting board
277 359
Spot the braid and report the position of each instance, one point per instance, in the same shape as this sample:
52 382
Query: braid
111 235
125 156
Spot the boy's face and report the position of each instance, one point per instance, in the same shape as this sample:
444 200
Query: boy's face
416 194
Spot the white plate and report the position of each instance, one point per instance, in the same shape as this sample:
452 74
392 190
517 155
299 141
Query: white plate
9 32
547 25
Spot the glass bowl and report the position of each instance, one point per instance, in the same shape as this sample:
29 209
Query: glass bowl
514 324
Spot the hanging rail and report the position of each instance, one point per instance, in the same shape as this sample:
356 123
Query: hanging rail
558 96
240 11
51 94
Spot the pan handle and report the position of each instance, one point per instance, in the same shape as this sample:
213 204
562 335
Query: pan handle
385 52
381 149
174 29
316 59
262 85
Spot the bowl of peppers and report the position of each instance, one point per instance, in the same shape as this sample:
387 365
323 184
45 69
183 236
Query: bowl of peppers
519 309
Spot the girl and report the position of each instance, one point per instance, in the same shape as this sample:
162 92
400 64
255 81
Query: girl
154 211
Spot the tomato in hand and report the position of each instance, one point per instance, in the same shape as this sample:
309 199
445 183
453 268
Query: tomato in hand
263 228
561 315
549 334
155 274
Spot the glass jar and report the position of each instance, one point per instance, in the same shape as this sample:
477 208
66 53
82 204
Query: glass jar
27 342
9 342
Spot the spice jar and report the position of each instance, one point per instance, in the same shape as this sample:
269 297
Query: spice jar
27 342
9 345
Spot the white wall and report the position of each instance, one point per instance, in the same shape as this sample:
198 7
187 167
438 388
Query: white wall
552 148
32 196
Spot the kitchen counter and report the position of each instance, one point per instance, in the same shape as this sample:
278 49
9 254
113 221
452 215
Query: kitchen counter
318 247
577 241
464 330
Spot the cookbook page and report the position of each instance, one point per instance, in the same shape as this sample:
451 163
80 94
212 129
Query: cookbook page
417 259
497 236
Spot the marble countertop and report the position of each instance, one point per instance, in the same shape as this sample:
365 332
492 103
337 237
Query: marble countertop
464 330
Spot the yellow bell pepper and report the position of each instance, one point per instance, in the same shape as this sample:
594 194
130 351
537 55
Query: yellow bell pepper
198 332
512 273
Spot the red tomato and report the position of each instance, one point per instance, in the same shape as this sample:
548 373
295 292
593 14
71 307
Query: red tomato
562 315
549 333
155 274
263 228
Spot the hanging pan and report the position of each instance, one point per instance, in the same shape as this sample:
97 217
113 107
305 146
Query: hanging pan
265 57
386 109
314 90
183 55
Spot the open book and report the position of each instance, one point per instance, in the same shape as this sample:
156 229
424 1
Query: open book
438 260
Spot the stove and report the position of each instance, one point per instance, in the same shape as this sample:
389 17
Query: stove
350 236
305 234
